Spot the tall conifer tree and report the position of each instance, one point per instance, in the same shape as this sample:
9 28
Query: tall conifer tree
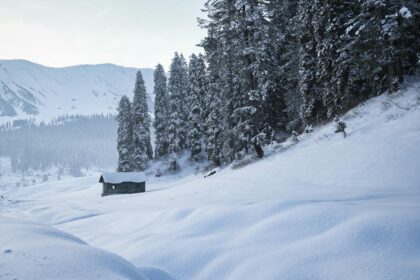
161 112
125 135
178 111
142 148
197 89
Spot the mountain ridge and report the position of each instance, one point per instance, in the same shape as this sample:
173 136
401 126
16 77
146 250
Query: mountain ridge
32 90
68 66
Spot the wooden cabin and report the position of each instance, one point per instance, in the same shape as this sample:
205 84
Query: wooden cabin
123 183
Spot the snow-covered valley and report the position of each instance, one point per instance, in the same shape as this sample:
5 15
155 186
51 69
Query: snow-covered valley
326 208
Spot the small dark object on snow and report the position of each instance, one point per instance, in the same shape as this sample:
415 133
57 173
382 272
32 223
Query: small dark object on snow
340 126
7 251
295 136
159 173
259 150
210 174
173 165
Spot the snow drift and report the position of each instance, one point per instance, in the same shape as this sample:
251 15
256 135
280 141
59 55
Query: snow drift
32 251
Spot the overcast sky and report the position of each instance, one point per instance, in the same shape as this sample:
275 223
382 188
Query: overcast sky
138 33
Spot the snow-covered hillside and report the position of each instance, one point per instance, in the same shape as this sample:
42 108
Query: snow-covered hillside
326 208
29 90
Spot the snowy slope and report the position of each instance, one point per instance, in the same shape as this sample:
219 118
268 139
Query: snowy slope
327 208
32 90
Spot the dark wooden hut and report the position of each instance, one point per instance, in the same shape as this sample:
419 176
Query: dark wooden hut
123 183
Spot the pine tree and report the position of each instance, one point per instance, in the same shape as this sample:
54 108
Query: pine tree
377 49
197 88
407 37
248 99
215 124
161 112
178 111
283 29
224 50
223 58
125 135
259 103
311 97
142 148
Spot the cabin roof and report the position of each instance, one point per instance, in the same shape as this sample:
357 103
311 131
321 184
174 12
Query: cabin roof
121 177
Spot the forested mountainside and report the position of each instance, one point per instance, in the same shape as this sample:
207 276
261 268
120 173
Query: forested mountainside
70 143
271 69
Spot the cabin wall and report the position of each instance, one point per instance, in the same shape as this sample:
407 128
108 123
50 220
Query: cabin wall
123 188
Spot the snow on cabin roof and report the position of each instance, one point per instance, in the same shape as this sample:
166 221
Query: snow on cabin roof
120 177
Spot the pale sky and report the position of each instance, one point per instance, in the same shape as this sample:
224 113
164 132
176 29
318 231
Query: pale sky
138 33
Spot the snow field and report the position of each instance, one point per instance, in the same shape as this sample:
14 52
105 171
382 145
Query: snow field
327 208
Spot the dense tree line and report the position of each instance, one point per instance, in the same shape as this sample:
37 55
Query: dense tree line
70 142
271 67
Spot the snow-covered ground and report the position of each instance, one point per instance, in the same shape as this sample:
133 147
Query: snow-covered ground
327 208
41 252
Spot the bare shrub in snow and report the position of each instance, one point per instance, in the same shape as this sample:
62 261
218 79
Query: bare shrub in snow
340 126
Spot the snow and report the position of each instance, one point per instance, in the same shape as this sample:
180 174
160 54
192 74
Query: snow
120 177
32 251
81 89
405 12
328 207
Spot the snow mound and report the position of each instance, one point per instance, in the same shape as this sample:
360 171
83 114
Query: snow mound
32 251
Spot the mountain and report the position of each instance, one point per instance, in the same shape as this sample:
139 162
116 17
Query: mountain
30 90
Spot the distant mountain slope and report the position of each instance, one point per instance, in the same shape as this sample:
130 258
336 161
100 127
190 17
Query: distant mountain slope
30 90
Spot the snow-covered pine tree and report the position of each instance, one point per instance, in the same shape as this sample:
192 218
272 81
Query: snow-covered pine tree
283 29
161 112
178 111
259 103
377 49
322 18
249 98
330 22
271 88
125 135
223 60
142 148
197 89
335 67
408 35
312 106
215 124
